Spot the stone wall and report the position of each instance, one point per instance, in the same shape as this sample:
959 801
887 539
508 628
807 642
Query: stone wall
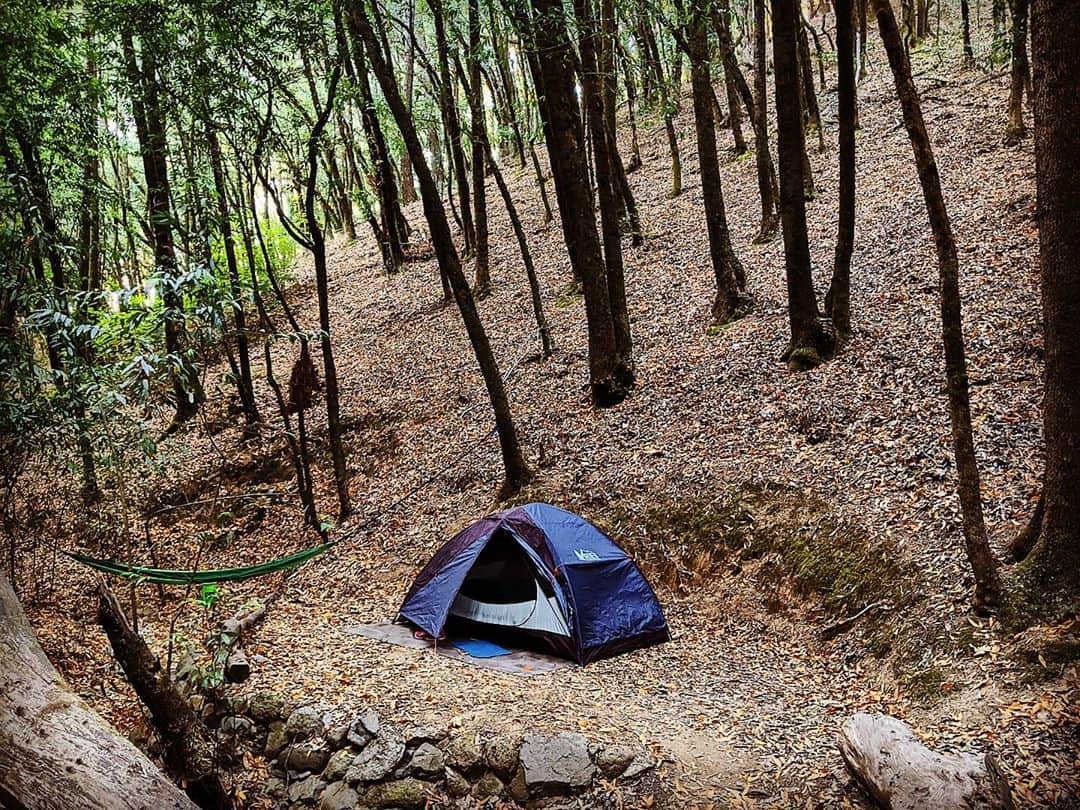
366 762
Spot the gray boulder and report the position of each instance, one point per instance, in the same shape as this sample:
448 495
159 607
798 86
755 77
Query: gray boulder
463 752
557 764
612 760
378 758
369 720
488 785
275 739
311 755
427 762
266 707
337 736
638 766
501 753
237 725
338 765
304 723
339 796
456 784
421 733
306 791
403 793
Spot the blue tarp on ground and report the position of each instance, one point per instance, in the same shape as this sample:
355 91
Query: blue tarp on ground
604 599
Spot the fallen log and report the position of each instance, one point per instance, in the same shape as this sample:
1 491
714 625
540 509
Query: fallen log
54 750
189 750
236 668
900 773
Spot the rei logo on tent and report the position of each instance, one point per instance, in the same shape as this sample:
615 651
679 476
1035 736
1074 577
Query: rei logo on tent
585 555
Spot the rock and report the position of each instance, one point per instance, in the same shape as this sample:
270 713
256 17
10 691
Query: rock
416 734
501 753
338 765
901 773
265 707
464 753
306 791
274 787
311 755
275 739
556 764
427 762
378 758
369 721
405 793
488 785
613 760
456 784
237 725
339 796
236 704
304 723
517 789
338 736
638 766
357 735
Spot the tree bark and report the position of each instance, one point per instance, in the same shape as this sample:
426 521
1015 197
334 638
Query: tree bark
1015 129
478 136
987 587
554 79
1052 570
54 750
150 130
838 298
767 187
517 473
611 203
812 340
244 384
728 303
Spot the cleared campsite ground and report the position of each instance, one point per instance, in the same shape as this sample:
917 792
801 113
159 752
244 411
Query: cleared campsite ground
746 701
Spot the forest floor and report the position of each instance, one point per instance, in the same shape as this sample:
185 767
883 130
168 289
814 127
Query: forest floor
844 470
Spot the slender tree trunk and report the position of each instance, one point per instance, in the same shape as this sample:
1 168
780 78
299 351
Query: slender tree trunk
838 299
1052 570
389 201
189 749
727 303
812 341
150 130
517 473
244 384
482 285
452 127
475 101
766 175
965 17
987 589
322 290
1015 130
408 190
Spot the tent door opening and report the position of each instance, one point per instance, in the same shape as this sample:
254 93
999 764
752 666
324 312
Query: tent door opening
503 589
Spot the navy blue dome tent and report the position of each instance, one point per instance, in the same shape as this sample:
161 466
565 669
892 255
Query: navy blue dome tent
537 576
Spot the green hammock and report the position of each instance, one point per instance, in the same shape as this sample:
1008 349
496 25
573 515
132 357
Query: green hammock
170 576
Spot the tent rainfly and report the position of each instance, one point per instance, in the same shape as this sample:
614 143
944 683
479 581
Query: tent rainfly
537 576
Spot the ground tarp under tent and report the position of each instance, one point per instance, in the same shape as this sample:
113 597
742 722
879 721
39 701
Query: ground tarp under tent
537 576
